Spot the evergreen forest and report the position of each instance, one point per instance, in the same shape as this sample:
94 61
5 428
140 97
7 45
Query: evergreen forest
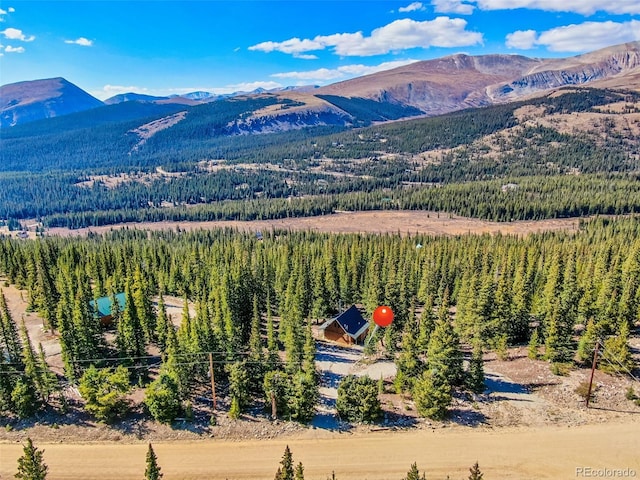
256 298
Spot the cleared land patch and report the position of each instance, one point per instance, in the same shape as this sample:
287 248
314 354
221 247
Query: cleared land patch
377 221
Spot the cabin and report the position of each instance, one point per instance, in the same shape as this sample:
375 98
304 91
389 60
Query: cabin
348 328
104 307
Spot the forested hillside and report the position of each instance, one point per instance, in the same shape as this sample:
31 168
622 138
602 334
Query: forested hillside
571 153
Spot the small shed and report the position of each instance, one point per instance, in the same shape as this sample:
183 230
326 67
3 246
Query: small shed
348 328
105 305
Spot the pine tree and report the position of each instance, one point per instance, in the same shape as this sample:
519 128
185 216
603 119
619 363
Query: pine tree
273 360
152 470
444 354
309 354
558 343
9 337
475 474
31 464
238 384
408 363
518 325
256 364
162 324
31 367
616 355
104 392
285 472
86 324
534 344
44 289
48 377
129 335
432 395
475 379
302 396
587 343
162 397
414 473
24 397
426 326
299 473
140 296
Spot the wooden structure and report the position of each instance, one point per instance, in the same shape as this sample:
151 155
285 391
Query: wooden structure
104 305
347 328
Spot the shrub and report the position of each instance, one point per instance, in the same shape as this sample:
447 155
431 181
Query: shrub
358 399
104 392
163 399
583 390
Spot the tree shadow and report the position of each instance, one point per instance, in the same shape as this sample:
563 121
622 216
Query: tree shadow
605 409
496 384
330 357
468 418
50 417
327 420
330 379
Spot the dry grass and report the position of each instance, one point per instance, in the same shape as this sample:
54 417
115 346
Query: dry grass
377 221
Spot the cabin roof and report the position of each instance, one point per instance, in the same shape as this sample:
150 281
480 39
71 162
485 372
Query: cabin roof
104 304
351 321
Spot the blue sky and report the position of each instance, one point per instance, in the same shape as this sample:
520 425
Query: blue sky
165 47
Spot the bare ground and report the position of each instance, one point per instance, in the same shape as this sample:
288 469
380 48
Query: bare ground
510 453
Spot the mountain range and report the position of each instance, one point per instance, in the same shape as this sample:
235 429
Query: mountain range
425 88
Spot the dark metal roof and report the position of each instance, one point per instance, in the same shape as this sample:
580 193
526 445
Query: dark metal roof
351 320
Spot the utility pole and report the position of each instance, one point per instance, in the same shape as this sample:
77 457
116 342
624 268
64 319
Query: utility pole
213 381
274 407
593 369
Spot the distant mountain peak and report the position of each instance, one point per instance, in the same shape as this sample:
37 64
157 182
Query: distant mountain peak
28 101
132 97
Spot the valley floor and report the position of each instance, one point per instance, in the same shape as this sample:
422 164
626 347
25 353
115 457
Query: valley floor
376 221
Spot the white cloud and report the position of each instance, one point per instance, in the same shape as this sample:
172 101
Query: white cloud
453 6
292 46
413 7
3 13
15 34
578 38
10 49
398 35
84 42
584 7
325 74
522 39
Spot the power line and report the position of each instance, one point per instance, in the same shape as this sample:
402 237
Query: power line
624 367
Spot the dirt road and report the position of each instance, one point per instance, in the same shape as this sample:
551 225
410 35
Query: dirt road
545 453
